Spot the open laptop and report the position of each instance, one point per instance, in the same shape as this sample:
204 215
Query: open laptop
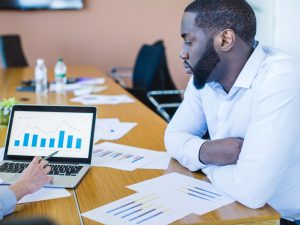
41 130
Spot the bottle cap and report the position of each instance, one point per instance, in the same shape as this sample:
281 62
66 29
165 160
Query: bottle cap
60 60
40 61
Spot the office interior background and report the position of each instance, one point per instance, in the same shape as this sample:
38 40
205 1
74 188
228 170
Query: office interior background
107 33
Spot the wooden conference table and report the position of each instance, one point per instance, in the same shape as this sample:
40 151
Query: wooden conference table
103 185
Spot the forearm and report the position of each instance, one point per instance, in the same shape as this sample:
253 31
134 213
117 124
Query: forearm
220 152
183 137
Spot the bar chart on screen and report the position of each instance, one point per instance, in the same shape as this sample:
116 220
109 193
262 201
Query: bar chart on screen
35 137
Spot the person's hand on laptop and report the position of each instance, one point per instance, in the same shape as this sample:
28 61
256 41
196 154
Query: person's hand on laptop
33 178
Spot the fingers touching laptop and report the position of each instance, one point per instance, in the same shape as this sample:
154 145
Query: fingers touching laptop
33 178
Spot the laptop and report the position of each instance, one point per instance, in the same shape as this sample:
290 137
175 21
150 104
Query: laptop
41 130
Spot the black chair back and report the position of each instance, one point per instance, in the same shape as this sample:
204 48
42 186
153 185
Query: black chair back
147 66
150 70
11 51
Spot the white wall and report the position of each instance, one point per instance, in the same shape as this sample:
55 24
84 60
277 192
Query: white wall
278 23
287 29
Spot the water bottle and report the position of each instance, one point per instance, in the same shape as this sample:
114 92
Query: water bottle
40 76
60 72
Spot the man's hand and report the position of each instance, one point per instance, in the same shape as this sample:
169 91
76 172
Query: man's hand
32 179
221 152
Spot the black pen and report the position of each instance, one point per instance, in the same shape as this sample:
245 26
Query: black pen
49 156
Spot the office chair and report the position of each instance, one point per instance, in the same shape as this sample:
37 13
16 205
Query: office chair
150 73
11 51
167 100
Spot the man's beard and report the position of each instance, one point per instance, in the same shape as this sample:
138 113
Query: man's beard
205 66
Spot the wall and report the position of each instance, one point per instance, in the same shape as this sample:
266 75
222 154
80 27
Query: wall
105 34
286 33
277 24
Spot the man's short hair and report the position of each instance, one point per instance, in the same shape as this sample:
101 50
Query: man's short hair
217 15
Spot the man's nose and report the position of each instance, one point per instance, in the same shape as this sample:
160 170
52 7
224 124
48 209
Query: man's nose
184 55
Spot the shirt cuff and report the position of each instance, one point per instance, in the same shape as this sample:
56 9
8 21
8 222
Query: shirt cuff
193 147
9 200
208 171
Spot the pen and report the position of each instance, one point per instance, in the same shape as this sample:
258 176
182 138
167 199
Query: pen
49 156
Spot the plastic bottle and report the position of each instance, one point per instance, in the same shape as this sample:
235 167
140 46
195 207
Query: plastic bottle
60 72
40 75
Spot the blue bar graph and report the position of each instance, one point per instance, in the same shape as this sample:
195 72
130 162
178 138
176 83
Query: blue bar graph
78 143
61 139
52 142
17 143
26 140
70 140
34 140
43 143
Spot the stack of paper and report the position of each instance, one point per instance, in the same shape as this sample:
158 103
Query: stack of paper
127 158
102 99
84 85
86 90
111 129
91 81
161 200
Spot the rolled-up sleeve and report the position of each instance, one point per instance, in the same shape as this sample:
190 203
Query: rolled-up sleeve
183 134
7 201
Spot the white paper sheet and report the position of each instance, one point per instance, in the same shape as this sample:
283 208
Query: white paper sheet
197 195
102 99
121 156
45 194
111 129
139 208
161 163
86 90
67 87
1 153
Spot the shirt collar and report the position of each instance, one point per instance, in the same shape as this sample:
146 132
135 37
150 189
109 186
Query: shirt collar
251 68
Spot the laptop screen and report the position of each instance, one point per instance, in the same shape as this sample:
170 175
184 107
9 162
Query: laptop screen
39 131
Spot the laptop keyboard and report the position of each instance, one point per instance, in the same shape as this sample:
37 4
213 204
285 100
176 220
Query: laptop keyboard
56 169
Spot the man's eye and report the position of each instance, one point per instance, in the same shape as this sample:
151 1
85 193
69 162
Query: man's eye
189 43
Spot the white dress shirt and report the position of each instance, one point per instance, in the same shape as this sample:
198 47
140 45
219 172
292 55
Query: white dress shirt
263 107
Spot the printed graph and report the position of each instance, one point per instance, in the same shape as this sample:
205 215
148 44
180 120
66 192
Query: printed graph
147 208
199 192
131 158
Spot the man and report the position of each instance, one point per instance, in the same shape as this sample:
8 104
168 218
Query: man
32 179
248 97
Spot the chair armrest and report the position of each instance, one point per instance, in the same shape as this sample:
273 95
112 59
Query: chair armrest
163 112
165 92
121 73
161 107
151 96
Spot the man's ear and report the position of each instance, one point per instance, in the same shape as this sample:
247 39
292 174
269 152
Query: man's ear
225 40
